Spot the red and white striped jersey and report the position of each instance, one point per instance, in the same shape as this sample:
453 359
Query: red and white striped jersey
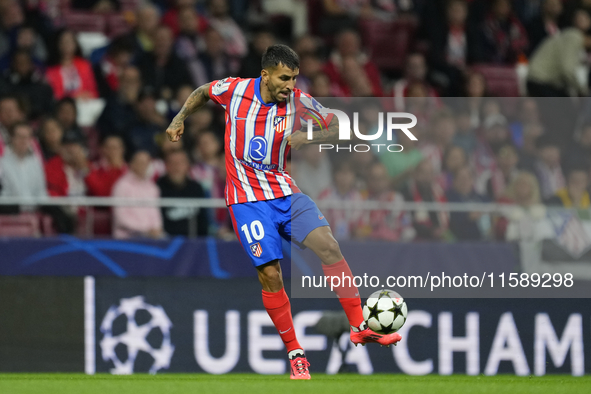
256 138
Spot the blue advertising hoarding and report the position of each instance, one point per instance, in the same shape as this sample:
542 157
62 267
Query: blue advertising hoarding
182 257
168 325
213 326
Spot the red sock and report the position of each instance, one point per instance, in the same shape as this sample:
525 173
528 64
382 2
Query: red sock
347 291
279 309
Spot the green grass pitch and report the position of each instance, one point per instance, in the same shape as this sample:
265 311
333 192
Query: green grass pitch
260 384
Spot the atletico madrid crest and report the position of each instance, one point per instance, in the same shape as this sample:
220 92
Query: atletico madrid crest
280 123
256 249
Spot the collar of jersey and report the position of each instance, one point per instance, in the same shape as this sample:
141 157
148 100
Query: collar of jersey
257 91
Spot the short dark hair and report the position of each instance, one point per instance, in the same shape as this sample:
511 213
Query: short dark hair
579 165
342 165
54 56
547 140
176 152
66 101
119 45
21 51
280 54
16 98
18 125
107 137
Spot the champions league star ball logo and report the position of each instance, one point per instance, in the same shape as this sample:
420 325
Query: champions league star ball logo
143 322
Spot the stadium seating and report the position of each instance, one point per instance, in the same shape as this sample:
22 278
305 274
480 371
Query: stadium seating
389 42
501 81
21 225
103 222
94 222
117 25
130 5
85 21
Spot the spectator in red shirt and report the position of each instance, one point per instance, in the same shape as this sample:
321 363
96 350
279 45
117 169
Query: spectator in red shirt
112 66
51 134
348 46
105 172
70 75
65 175
66 113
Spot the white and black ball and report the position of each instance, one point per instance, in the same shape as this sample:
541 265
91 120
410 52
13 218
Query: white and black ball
385 311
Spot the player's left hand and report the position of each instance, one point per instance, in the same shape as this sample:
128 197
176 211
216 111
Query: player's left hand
297 140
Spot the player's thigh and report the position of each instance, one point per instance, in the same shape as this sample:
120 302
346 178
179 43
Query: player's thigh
255 226
324 245
305 218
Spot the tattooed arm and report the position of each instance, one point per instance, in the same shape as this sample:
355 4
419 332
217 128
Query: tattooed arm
196 100
331 136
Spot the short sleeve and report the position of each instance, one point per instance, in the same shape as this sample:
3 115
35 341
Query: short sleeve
310 109
221 91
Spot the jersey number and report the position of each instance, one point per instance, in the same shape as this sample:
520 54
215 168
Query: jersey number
257 230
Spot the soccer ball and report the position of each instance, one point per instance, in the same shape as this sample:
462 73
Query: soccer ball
385 311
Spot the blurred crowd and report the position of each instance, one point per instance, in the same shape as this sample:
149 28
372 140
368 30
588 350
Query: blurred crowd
474 147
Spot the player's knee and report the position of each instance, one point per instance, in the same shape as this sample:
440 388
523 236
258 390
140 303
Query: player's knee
271 278
273 283
331 251
274 277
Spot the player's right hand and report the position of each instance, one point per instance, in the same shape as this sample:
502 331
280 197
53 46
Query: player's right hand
175 131
297 140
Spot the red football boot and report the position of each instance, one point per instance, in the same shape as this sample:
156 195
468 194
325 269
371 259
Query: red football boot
368 336
299 367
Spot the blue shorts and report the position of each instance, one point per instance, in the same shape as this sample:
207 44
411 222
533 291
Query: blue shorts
260 225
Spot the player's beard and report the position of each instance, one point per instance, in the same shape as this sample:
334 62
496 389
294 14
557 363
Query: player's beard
275 93
282 98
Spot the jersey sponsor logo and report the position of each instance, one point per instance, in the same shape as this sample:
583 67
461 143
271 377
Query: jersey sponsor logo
256 249
258 148
221 82
280 123
259 166
221 86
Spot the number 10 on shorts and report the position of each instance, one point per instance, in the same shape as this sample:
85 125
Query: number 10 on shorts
256 229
